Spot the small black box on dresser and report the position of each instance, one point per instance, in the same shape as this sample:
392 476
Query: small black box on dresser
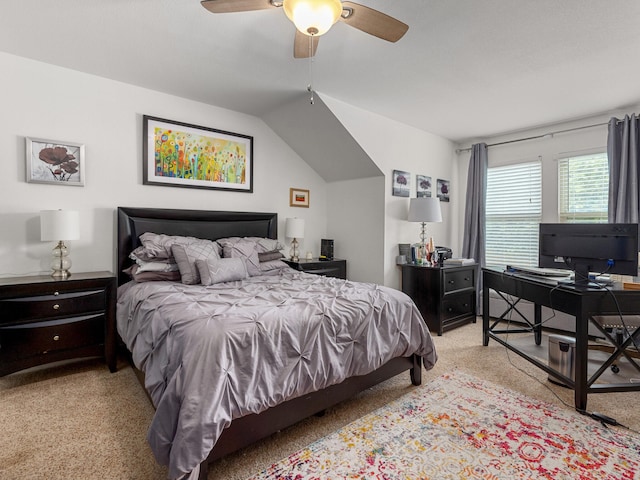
45 320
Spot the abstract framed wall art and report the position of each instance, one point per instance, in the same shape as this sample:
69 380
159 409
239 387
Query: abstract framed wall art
423 186
401 183
443 190
183 155
298 197
54 162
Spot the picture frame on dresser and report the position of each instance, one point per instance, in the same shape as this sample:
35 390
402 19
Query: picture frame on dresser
54 162
179 154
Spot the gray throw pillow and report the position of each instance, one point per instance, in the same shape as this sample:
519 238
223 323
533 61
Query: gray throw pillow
186 256
220 270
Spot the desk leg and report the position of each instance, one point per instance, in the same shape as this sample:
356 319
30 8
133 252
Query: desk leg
485 316
537 326
582 339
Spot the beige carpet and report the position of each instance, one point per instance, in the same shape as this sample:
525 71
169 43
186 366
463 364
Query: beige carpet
78 421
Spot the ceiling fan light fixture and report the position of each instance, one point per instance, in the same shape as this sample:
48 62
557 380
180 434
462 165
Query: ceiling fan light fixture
313 17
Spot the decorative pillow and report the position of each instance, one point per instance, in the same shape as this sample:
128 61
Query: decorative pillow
134 272
156 266
268 256
272 265
263 245
247 251
186 256
159 245
220 270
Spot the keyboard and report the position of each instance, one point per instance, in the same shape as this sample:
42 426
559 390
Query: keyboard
541 272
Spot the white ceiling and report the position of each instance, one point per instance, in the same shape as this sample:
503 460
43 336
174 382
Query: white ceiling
465 69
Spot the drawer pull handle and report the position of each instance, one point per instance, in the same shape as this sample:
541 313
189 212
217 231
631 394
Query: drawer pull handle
56 338
56 307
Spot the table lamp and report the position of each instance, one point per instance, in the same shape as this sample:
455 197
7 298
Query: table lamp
423 210
58 226
294 228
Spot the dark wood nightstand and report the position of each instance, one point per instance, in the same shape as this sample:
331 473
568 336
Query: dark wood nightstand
330 268
445 296
45 320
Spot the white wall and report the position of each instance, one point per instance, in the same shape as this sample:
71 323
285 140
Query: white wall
357 223
44 101
395 146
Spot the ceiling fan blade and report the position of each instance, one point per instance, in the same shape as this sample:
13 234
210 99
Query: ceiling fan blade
301 45
373 22
230 6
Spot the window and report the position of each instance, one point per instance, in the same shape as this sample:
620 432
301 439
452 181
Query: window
513 213
583 188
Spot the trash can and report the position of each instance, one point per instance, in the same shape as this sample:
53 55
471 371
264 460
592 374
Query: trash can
562 357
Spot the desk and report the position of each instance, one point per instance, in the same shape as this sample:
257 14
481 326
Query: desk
583 304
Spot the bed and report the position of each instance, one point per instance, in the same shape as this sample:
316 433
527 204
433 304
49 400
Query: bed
233 362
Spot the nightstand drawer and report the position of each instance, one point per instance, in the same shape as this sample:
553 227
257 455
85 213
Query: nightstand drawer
457 306
38 338
458 280
56 304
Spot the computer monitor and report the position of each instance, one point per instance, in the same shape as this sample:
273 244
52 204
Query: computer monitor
589 247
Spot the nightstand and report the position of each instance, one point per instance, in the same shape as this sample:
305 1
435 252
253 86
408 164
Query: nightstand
445 296
330 268
46 320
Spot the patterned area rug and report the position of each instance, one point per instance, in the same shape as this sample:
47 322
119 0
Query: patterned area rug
458 426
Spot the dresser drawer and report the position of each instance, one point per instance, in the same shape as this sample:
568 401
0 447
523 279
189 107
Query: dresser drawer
458 305
55 304
38 338
458 280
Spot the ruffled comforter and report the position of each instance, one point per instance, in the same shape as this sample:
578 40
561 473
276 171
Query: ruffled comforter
212 354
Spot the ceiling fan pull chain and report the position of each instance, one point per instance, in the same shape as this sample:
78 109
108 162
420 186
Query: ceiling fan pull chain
310 86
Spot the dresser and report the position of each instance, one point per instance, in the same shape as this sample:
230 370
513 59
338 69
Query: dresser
46 320
330 268
445 295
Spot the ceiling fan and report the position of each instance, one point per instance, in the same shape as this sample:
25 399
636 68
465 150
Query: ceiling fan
313 18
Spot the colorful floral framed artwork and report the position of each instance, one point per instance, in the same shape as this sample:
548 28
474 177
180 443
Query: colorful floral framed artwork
55 162
179 154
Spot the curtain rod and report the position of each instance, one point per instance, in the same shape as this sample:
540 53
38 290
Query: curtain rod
545 135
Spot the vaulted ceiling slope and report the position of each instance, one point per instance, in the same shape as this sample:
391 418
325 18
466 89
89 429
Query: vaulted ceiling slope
465 69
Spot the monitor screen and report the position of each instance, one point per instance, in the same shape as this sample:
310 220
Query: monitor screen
589 247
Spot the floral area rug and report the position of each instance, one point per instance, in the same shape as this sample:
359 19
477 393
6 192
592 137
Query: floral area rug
460 427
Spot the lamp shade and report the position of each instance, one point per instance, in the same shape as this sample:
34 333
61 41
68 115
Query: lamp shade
313 17
294 228
56 225
425 209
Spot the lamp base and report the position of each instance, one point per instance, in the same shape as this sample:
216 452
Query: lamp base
294 255
61 262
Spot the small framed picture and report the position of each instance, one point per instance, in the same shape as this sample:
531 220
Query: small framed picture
423 186
443 190
54 162
298 197
401 183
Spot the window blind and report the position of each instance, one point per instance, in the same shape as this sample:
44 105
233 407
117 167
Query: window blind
583 188
514 211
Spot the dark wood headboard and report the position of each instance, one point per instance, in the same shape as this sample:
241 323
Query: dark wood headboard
211 225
